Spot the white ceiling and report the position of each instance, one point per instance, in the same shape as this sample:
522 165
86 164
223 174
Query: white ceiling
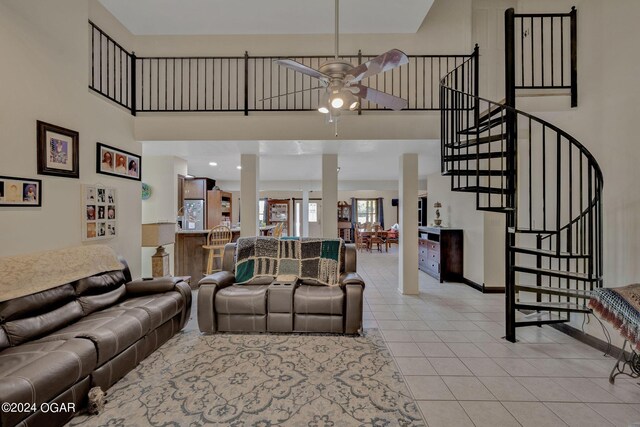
189 17
300 160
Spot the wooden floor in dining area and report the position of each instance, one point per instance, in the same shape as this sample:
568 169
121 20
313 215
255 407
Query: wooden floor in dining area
447 343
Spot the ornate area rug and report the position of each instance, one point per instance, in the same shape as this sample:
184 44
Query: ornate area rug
262 380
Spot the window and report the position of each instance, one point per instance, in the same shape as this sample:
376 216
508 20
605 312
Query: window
367 210
313 212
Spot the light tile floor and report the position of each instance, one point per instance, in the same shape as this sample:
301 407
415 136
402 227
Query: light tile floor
447 343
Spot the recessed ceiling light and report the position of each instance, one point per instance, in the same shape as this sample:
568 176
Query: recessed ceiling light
213 164
238 167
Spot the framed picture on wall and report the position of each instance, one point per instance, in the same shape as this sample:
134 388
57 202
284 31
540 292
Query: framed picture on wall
99 212
20 192
58 151
115 162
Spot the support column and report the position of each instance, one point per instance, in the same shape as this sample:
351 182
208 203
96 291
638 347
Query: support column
408 221
304 214
329 195
249 194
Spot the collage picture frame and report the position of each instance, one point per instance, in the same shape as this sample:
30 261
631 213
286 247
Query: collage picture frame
116 162
99 212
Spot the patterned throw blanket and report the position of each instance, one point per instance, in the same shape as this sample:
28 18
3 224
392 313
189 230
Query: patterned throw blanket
307 258
621 307
28 274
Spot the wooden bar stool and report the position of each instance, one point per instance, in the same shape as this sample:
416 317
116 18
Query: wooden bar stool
217 238
277 232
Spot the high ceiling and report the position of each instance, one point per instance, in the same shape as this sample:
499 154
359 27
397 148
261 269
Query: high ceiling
296 160
189 17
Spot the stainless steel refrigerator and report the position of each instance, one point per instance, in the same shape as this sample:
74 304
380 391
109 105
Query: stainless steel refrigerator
194 215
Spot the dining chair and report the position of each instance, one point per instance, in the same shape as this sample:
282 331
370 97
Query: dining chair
393 236
377 238
361 241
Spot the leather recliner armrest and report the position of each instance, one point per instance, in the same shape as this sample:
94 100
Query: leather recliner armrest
208 287
153 286
351 278
222 279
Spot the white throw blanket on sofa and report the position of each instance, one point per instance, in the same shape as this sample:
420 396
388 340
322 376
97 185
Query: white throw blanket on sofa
28 274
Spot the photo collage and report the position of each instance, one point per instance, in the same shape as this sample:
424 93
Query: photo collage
115 162
99 212
20 192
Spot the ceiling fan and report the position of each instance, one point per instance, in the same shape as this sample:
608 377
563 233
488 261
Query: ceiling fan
340 79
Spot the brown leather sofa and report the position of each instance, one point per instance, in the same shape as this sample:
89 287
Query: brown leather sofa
57 344
263 306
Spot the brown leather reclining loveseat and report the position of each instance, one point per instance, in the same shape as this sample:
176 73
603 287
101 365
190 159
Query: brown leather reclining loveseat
57 344
263 306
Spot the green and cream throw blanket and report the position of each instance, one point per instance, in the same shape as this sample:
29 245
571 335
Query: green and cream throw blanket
307 258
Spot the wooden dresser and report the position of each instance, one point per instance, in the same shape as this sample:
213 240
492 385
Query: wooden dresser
440 253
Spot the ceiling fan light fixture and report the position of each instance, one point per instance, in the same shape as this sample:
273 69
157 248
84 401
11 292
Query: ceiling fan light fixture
337 101
323 109
351 102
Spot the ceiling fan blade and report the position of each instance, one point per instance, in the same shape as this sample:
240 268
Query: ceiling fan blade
301 68
291 93
385 62
381 98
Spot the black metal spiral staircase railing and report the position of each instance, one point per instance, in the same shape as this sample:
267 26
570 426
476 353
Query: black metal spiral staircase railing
544 180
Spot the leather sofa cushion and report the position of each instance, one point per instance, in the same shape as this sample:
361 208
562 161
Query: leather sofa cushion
310 299
4 339
261 280
22 330
112 330
92 303
153 286
320 323
160 308
100 283
39 371
242 299
242 323
38 303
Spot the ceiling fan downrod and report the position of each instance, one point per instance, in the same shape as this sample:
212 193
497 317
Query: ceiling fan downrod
337 13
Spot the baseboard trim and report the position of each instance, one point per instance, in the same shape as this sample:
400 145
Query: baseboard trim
587 339
482 288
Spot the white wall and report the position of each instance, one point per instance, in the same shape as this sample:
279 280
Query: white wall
44 76
161 174
459 211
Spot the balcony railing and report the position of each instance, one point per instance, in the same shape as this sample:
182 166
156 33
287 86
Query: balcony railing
247 83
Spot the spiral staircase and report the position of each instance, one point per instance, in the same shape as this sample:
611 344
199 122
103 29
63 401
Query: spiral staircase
546 183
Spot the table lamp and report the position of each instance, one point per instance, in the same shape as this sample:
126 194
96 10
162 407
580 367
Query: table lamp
156 236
